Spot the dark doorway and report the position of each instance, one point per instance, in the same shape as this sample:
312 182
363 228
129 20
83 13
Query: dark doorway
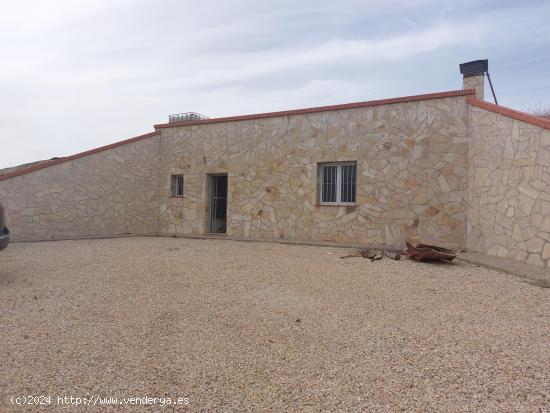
218 203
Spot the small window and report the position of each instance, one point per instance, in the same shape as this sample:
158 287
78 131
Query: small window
177 185
337 183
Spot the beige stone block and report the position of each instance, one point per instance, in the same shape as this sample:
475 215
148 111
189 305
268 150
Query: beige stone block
535 245
534 259
56 188
544 235
28 211
543 157
43 193
349 217
528 232
443 185
528 190
524 162
538 184
536 220
475 82
546 224
516 233
526 204
493 249
456 196
502 252
431 211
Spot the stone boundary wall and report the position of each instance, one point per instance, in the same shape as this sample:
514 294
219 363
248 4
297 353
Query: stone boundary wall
508 185
108 191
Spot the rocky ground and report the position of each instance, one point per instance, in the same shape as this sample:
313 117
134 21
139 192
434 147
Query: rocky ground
237 326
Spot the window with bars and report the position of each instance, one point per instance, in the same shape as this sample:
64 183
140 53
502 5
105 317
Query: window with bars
337 182
177 185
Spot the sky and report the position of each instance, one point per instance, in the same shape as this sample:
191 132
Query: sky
75 75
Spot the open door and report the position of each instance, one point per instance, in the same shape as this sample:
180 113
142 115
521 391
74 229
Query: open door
218 203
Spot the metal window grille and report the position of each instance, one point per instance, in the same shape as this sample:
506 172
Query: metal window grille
347 186
329 183
177 185
337 183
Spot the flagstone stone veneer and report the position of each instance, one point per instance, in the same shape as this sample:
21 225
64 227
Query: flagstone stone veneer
411 174
109 192
445 168
509 188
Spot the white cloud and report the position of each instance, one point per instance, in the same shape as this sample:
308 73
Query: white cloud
337 51
76 75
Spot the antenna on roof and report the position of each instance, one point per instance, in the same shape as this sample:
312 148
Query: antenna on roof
492 90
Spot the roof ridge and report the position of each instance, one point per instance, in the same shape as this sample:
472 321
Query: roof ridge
362 104
511 113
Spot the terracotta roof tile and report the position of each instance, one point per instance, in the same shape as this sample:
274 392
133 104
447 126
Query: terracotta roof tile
403 99
511 113
57 161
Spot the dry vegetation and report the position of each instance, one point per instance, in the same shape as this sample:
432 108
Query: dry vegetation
541 112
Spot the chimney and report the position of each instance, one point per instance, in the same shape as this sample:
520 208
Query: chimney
474 75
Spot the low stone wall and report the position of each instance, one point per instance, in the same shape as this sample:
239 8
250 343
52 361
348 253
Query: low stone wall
111 192
509 188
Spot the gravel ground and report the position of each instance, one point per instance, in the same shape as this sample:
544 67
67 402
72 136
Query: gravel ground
237 326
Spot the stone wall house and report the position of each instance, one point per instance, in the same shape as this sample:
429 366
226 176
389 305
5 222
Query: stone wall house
444 168
411 174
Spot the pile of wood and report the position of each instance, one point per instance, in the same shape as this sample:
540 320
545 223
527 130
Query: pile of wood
418 252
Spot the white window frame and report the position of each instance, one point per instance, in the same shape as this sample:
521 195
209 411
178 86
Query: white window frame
320 175
174 186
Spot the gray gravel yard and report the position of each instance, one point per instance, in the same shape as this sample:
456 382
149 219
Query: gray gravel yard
242 326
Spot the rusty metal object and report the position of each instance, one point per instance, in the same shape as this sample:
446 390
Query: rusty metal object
430 252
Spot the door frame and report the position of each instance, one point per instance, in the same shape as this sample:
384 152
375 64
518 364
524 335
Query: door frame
211 177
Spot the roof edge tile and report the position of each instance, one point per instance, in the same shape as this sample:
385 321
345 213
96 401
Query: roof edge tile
402 99
368 103
511 113
58 161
